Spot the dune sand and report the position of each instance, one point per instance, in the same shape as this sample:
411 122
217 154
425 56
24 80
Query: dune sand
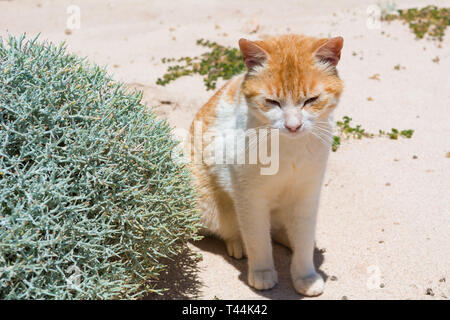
384 222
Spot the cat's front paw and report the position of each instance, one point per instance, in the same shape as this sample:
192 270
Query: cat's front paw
262 279
310 286
235 248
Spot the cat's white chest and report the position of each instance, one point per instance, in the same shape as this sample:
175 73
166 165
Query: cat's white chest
299 169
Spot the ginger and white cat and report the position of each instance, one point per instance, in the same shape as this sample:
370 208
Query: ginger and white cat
291 85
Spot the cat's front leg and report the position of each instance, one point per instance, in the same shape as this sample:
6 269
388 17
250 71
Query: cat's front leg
254 223
301 233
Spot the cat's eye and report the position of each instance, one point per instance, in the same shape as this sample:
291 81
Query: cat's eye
311 100
273 102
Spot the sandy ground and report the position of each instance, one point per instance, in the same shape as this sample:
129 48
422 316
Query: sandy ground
384 225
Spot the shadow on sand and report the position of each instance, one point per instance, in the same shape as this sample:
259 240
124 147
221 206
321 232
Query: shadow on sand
181 276
284 290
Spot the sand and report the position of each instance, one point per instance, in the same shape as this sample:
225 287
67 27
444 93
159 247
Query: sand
384 221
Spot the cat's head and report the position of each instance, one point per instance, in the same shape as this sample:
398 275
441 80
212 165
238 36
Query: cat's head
292 83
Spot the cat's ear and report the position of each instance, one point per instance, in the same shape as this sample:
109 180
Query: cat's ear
330 51
252 54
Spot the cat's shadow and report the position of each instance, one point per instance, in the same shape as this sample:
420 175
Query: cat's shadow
284 290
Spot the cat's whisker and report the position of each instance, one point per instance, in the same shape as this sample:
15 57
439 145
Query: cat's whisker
324 139
324 133
326 136
327 131
323 129
321 140
323 122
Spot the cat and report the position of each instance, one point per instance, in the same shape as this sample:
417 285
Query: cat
291 85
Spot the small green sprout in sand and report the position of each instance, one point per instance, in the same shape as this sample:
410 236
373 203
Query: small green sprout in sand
336 143
220 62
199 257
429 21
346 130
395 133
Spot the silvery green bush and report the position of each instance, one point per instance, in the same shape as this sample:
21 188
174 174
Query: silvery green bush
90 199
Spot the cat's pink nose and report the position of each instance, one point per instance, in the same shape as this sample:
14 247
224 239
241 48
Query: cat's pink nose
293 128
